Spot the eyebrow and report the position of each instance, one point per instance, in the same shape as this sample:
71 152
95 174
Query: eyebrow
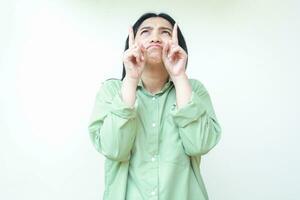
160 28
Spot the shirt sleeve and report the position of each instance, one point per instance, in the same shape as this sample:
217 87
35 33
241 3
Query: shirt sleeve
198 127
112 126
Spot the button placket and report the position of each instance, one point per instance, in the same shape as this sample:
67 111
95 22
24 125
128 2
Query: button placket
153 193
154 158
153 151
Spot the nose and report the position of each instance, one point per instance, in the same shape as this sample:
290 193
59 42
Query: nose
155 38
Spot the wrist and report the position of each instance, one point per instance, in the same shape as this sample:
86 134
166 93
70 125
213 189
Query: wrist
179 78
128 90
131 81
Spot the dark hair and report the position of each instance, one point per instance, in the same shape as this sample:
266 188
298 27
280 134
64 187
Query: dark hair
145 16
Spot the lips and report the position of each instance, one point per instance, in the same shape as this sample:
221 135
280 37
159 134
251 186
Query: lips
154 46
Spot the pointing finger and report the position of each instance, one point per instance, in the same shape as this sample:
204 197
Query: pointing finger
131 37
143 50
165 50
174 34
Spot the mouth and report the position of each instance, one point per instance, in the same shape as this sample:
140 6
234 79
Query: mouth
154 46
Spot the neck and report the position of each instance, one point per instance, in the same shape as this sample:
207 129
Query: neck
154 77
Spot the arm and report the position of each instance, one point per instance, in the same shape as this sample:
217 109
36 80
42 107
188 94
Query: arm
198 127
194 114
113 123
183 90
128 91
112 126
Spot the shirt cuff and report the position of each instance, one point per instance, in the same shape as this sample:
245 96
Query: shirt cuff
121 109
189 112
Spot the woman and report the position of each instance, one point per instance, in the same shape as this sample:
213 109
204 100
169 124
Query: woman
155 123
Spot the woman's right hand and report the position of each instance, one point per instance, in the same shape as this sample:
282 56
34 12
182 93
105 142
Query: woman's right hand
134 58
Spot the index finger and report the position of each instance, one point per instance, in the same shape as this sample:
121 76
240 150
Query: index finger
174 34
131 37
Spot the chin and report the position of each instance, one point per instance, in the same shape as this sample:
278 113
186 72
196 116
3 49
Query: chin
155 59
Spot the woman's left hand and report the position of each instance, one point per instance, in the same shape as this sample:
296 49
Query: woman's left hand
174 57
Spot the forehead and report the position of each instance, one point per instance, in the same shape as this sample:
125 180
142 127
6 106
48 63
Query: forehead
156 22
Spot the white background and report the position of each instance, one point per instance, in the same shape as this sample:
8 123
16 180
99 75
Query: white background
54 56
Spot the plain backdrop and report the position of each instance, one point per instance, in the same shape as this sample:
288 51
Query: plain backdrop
55 54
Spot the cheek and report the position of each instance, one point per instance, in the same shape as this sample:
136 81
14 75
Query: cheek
137 40
166 37
141 42
166 40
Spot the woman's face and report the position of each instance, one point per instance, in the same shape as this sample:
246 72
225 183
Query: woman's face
153 33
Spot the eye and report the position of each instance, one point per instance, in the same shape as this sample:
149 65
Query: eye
144 31
166 32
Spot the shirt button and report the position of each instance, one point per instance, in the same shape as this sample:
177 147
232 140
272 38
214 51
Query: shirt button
153 98
153 159
153 124
153 193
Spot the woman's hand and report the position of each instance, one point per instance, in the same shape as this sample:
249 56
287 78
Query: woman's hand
134 58
174 57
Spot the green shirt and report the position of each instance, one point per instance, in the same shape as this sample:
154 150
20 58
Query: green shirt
153 149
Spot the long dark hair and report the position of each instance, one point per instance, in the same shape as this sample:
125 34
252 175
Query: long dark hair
145 16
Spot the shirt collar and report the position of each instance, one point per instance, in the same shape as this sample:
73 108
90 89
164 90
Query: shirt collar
166 85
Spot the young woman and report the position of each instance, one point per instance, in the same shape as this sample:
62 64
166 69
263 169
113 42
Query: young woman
155 123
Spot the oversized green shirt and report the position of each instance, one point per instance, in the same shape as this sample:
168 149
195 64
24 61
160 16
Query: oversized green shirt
153 149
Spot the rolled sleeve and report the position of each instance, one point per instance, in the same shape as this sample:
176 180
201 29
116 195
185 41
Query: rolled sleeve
190 112
121 109
112 125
